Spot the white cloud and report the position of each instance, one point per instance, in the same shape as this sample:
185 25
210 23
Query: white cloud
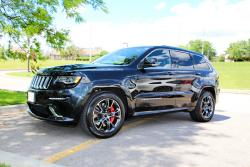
160 6
218 21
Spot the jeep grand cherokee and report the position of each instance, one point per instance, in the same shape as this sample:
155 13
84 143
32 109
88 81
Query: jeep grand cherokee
127 82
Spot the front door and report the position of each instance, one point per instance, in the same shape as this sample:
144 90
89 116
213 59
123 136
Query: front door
155 84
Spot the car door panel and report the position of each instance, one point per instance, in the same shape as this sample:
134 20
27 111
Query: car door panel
155 84
182 65
183 90
155 88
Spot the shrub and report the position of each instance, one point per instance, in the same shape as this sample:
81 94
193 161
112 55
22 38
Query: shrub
221 58
2 53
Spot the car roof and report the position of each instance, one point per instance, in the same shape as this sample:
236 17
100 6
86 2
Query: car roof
168 47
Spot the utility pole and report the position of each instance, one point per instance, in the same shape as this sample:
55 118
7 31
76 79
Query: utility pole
90 55
208 53
202 47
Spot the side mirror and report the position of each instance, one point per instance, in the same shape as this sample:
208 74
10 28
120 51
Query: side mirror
145 64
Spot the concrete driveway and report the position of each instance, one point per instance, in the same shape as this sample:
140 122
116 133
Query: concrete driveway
13 83
160 140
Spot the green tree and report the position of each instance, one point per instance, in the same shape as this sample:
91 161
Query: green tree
70 52
200 46
239 51
104 52
25 21
2 54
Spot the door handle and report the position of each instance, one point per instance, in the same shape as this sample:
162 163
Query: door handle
198 73
170 73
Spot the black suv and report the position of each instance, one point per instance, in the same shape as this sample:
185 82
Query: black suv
130 81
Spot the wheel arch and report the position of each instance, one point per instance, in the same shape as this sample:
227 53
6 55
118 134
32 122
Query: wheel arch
120 93
210 89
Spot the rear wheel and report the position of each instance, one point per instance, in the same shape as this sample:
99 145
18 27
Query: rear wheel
204 109
104 115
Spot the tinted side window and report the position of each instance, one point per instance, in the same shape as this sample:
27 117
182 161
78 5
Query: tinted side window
181 60
200 63
161 57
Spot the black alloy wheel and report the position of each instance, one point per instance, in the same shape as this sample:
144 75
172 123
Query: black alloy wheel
104 115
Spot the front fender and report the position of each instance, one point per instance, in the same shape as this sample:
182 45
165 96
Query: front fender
123 87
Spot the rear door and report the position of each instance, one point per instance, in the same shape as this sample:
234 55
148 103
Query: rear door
206 75
183 70
201 66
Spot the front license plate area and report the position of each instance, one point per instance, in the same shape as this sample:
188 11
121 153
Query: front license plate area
31 97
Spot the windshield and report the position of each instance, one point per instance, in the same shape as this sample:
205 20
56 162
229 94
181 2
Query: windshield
122 57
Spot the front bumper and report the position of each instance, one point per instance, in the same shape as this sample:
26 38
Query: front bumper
51 118
59 105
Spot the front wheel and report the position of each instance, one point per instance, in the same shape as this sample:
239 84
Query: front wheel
204 109
104 115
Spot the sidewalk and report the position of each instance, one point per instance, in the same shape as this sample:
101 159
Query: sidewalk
13 108
236 91
13 83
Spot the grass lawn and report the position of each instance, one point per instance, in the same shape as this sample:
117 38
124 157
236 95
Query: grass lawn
4 165
17 64
21 74
12 98
234 75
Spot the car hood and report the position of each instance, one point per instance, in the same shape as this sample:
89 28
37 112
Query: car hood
75 68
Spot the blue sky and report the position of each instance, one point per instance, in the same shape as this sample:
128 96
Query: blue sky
121 11
159 22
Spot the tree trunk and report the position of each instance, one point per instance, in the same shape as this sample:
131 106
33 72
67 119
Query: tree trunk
28 63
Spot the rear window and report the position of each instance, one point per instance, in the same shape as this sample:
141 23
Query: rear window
181 60
200 63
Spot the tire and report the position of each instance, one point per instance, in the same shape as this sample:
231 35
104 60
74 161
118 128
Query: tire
103 115
204 109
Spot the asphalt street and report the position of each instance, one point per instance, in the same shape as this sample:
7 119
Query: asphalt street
170 139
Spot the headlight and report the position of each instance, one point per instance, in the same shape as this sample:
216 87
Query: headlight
69 80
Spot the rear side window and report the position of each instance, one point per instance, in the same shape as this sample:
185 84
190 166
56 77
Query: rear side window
200 63
181 60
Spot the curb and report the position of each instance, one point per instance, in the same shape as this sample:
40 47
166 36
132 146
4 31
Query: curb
14 108
15 160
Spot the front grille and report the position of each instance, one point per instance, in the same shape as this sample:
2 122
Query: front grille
41 82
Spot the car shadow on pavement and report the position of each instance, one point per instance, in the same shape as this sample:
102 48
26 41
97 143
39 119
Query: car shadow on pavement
20 133
219 117
154 142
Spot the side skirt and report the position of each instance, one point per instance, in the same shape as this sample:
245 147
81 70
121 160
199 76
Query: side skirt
159 111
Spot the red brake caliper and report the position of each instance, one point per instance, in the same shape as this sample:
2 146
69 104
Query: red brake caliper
112 109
